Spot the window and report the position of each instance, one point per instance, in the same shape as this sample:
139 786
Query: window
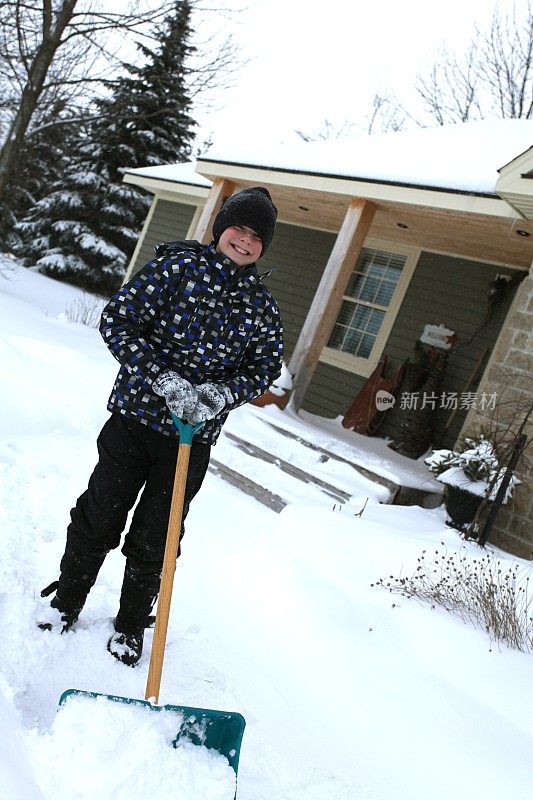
369 305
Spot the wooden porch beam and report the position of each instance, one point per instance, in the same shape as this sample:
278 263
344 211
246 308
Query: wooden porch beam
328 298
220 189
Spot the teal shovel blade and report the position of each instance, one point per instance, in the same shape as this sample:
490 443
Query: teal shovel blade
216 730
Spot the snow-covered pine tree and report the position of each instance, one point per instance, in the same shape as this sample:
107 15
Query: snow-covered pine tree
85 230
43 160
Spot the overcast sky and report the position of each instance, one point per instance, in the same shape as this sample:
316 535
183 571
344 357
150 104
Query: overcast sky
311 61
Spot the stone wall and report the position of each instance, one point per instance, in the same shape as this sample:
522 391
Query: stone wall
509 376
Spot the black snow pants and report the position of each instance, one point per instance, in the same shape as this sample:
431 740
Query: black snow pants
132 457
133 460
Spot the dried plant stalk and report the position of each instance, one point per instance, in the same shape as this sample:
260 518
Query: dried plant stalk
482 591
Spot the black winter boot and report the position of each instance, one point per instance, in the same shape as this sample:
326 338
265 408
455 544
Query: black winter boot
127 647
69 612
140 588
78 574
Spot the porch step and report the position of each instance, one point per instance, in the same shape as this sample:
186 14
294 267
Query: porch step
279 484
275 481
257 452
277 466
249 487
394 488
401 495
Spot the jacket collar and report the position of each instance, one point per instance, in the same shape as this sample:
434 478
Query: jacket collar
237 276
249 272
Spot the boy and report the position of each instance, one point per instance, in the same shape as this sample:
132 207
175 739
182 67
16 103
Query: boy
197 334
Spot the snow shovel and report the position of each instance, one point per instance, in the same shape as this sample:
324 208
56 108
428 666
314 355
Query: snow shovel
218 730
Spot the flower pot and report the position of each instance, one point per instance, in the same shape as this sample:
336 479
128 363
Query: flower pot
461 505
270 398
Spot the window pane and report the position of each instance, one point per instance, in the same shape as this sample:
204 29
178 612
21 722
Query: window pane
385 293
375 321
373 281
345 339
356 329
353 315
374 269
365 346
337 337
369 289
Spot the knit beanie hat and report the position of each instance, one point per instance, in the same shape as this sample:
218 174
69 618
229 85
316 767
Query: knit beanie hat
252 208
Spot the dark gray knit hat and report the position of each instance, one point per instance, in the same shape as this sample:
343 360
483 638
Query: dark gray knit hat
252 208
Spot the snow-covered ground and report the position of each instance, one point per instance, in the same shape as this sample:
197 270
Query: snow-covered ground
349 693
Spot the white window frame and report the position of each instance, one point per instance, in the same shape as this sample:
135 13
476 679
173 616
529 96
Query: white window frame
366 366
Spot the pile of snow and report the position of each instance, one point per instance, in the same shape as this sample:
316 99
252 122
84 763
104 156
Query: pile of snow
283 383
137 744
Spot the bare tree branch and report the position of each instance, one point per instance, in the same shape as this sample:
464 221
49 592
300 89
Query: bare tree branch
493 78
56 50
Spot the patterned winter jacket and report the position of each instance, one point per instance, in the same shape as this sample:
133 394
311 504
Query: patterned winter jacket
192 310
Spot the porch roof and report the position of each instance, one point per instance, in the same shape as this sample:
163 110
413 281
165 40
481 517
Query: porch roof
456 158
432 188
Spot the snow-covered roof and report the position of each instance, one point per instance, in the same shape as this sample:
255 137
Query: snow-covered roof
464 157
175 173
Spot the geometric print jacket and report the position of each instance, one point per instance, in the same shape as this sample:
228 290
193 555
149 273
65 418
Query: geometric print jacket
192 310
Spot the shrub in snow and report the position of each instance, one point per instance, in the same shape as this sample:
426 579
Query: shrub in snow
476 468
480 591
85 310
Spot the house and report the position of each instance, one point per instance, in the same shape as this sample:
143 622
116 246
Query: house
382 242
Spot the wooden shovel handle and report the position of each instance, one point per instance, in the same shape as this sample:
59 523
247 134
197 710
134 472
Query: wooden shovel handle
155 669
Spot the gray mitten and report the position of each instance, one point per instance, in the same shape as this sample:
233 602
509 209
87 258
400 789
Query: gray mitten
211 398
179 395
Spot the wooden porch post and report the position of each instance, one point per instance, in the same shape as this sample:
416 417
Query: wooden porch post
328 298
220 189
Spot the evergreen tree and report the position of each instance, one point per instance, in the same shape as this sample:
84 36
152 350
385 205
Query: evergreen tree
42 163
85 230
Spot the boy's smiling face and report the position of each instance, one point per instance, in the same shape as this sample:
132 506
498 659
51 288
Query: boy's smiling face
241 244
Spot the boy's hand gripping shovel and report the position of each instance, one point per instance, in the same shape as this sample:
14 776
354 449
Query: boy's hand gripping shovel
220 730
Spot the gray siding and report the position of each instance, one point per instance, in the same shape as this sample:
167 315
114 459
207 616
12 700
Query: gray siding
332 391
446 290
299 256
169 221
